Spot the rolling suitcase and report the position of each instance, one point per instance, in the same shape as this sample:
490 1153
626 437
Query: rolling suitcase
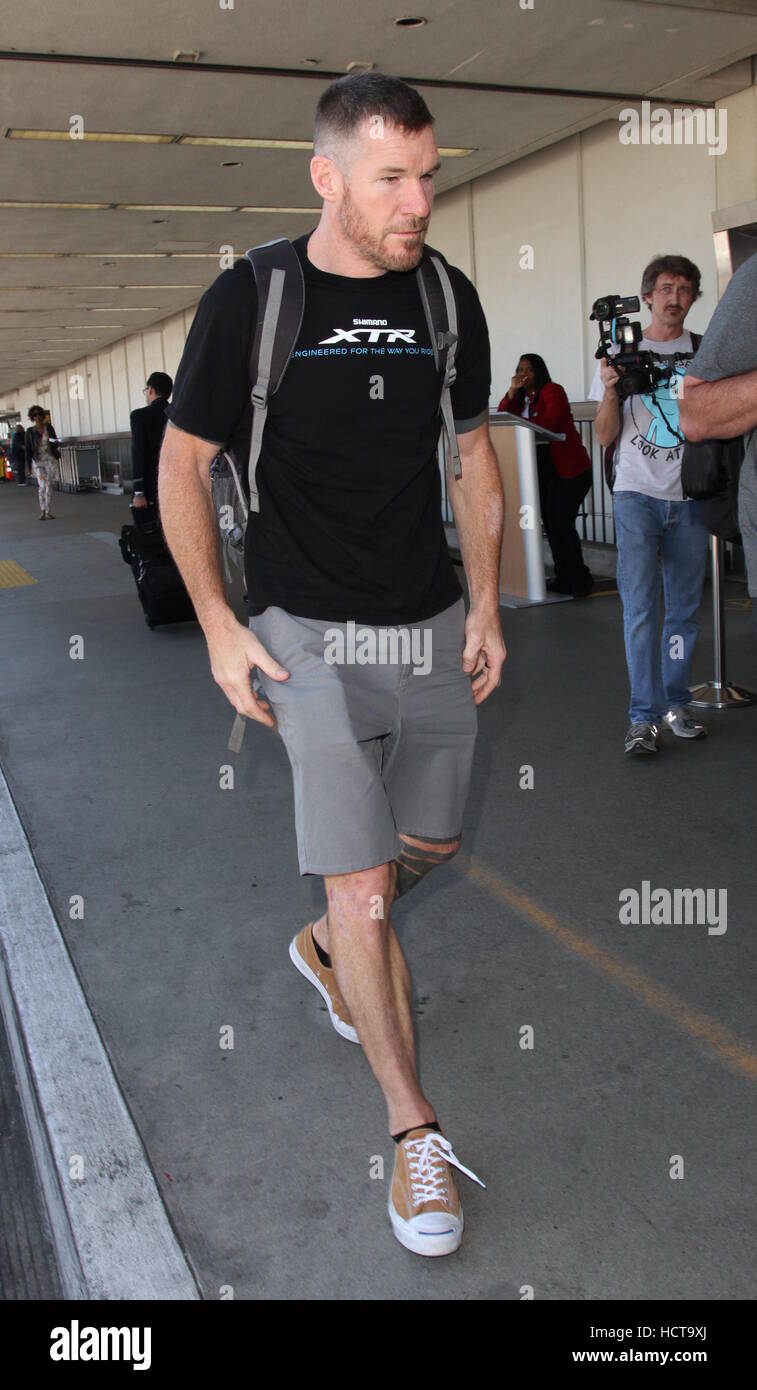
160 587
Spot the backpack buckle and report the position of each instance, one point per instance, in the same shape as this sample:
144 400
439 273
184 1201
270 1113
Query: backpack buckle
260 395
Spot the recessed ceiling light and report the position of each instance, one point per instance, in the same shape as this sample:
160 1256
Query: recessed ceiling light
244 142
311 62
122 255
306 212
231 163
173 207
411 22
120 136
86 207
229 141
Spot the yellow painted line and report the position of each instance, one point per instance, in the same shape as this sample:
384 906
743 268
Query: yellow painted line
601 593
725 1044
12 576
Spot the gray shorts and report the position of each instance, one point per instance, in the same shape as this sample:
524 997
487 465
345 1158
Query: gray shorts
379 725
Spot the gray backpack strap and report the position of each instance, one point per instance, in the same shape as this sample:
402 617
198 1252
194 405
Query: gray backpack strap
280 287
438 299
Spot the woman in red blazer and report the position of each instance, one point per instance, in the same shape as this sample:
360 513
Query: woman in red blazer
564 469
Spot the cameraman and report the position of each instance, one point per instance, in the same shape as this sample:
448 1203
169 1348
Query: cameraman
652 519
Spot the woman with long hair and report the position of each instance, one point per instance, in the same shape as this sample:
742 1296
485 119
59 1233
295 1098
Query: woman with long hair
564 469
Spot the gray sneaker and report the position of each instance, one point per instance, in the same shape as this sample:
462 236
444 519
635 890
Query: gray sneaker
683 725
641 738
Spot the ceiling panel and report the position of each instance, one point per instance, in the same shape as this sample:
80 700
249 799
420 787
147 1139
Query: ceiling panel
687 50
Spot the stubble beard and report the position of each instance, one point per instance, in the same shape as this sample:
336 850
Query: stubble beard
374 249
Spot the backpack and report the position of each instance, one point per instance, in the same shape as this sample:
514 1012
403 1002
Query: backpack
710 475
280 286
608 457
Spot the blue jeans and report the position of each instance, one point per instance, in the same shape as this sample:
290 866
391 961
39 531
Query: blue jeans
645 528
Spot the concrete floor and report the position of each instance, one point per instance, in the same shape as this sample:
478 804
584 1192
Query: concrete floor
645 1043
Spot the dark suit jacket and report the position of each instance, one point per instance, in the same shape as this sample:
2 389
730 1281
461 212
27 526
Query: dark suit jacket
147 426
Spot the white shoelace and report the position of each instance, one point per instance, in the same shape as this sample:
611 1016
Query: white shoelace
426 1158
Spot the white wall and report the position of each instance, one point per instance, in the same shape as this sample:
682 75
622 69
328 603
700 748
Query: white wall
594 211
736 170
112 380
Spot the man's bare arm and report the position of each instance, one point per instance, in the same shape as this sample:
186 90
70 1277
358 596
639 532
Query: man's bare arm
718 409
189 521
607 418
191 530
478 506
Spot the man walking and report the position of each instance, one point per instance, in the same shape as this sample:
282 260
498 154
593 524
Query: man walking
349 531
18 455
147 426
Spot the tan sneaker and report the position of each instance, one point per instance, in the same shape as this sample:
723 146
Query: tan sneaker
424 1206
304 956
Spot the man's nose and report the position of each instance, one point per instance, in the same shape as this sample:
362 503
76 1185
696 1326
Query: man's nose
416 202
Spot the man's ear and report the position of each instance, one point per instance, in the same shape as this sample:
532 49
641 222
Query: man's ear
326 177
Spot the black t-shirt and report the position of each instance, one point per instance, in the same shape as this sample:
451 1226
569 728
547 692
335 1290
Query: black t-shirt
350 520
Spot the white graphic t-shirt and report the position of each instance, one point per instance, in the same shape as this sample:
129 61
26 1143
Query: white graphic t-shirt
648 452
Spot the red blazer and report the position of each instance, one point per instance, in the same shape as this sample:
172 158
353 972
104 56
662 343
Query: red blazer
551 409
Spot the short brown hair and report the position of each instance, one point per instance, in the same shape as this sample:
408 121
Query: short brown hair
351 100
671 265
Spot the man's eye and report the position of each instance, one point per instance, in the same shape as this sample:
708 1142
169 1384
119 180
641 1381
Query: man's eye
390 178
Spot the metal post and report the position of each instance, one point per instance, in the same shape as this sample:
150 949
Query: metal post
528 478
718 694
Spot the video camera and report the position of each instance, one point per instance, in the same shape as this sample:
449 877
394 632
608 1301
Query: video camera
639 373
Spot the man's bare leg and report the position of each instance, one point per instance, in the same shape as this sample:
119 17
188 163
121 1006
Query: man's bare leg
417 859
373 977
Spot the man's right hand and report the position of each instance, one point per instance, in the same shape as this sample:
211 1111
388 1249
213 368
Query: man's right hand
234 650
608 374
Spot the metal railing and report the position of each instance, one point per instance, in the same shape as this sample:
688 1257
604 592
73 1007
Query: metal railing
595 520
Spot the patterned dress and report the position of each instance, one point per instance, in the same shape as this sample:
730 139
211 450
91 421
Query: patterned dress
45 467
